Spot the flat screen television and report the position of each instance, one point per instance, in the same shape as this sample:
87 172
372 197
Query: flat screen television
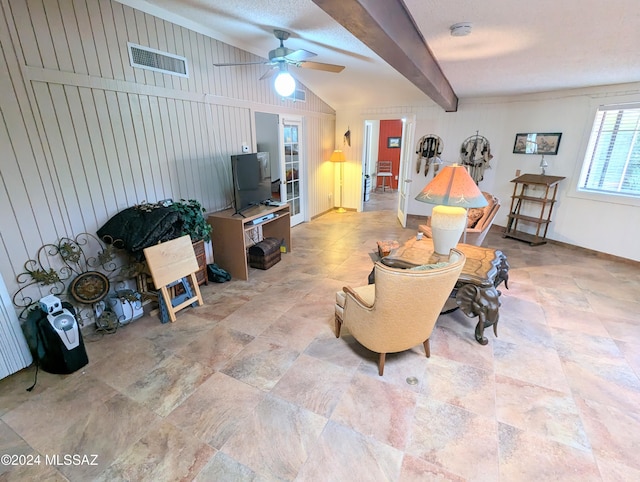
251 179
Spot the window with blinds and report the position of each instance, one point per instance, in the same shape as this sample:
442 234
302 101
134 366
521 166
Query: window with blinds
612 159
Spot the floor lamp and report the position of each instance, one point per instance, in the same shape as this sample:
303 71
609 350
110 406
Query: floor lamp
338 156
453 191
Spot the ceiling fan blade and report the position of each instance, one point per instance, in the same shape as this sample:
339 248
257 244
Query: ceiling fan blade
299 55
242 63
320 66
269 73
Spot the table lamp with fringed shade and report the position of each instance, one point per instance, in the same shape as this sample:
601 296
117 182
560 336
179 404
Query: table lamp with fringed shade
453 191
338 156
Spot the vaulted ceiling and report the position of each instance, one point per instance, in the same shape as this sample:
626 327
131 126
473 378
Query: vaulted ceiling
515 47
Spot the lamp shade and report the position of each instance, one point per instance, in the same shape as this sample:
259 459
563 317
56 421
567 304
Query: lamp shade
337 156
453 186
453 190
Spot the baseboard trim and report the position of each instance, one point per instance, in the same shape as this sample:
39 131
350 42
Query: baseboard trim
497 229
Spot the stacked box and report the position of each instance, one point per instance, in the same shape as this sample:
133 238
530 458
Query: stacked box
265 254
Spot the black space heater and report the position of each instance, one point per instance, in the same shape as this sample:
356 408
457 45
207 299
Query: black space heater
54 337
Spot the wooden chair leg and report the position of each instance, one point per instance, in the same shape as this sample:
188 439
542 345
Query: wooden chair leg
338 326
381 363
427 348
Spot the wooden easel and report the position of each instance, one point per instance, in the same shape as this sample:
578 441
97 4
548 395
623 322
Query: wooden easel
169 262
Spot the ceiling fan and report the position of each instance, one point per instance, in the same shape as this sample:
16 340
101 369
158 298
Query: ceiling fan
279 60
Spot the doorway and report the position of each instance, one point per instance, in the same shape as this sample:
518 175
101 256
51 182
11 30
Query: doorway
282 138
387 140
292 161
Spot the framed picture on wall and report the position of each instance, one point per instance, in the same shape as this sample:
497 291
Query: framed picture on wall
393 142
537 143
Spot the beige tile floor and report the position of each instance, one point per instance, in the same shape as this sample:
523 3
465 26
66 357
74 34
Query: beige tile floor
255 386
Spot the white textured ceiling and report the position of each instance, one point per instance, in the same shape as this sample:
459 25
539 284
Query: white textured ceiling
516 46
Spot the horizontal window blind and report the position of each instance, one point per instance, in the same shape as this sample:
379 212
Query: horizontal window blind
612 159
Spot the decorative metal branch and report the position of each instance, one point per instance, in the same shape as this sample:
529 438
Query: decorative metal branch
81 271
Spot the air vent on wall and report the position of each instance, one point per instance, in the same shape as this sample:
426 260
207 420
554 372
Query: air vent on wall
298 96
152 59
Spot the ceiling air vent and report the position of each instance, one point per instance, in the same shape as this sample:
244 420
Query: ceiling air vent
152 59
298 96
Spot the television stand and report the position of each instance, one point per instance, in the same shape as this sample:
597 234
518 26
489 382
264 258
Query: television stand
229 240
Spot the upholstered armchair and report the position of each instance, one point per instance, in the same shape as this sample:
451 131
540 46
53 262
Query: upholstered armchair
479 220
400 309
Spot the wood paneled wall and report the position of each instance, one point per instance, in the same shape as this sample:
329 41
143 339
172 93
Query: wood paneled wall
84 135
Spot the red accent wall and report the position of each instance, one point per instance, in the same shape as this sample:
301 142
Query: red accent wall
389 128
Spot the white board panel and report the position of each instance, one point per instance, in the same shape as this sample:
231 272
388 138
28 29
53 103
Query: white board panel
73 39
111 165
62 175
116 49
27 43
127 176
88 37
151 152
42 34
59 36
91 148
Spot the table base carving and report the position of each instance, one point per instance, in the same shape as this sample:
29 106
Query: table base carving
482 302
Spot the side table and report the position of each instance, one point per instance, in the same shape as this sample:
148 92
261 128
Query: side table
476 291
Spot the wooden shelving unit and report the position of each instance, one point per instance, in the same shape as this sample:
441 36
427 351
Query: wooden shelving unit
523 195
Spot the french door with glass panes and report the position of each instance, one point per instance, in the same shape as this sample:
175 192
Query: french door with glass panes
292 189
404 183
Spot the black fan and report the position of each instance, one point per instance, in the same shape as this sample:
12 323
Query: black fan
282 55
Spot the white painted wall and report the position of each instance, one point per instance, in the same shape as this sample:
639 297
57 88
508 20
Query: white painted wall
602 223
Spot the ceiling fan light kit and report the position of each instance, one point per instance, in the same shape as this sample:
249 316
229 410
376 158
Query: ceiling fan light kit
460 29
281 58
284 82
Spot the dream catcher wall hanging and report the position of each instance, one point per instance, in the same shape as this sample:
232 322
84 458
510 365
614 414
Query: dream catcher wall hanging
475 153
429 149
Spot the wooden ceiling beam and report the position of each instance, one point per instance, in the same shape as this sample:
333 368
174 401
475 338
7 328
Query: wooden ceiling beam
387 28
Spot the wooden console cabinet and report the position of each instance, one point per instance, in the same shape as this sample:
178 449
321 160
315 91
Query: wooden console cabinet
229 235
541 205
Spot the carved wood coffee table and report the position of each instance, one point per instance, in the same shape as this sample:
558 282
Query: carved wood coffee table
476 291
